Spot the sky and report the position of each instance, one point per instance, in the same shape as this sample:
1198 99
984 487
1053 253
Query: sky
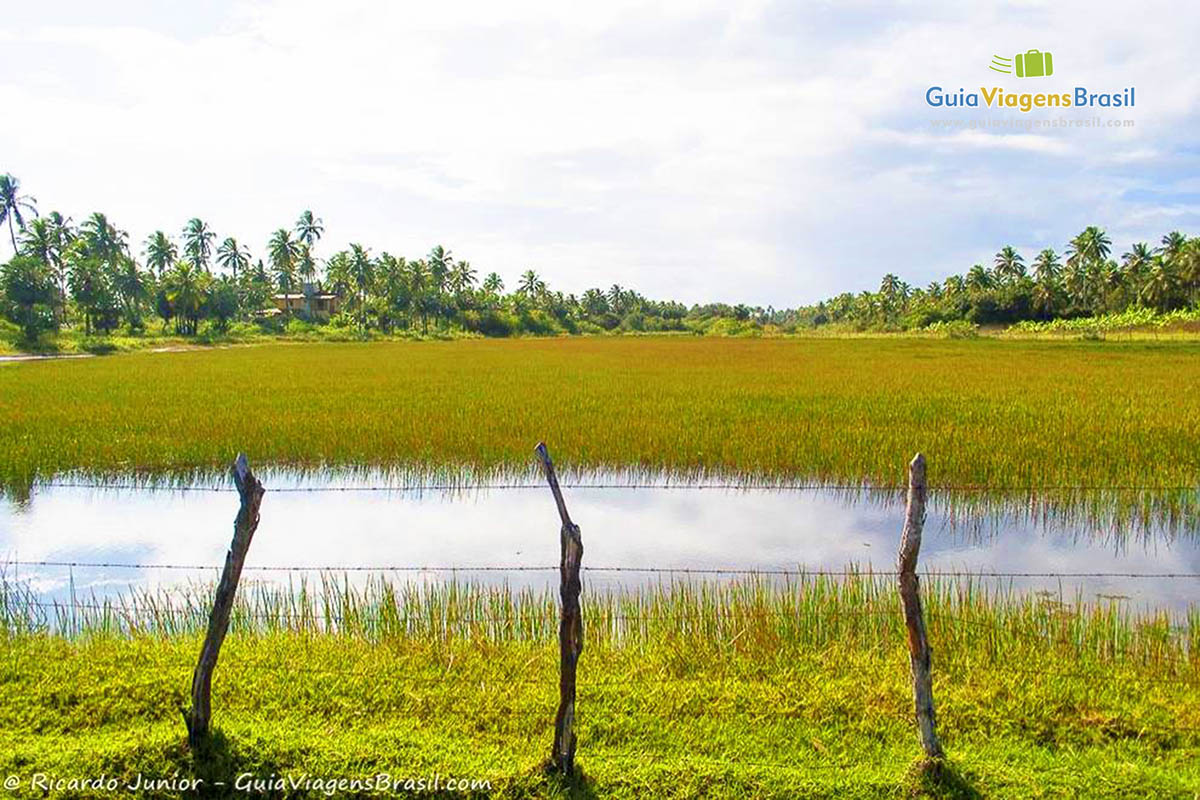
759 152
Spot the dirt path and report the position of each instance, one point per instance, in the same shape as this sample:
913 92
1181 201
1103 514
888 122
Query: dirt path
19 358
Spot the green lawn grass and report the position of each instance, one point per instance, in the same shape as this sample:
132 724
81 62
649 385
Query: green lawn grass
749 689
986 412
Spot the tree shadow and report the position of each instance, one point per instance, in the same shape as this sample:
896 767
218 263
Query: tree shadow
939 778
577 785
217 762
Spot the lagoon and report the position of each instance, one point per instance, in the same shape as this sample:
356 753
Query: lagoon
353 525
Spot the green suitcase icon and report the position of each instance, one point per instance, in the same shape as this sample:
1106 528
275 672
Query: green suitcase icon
1034 64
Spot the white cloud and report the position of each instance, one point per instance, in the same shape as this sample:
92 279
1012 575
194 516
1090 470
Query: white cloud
693 150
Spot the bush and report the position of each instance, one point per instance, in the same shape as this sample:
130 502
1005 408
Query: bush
1129 319
725 326
633 321
492 323
241 330
589 328
954 329
538 323
29 295
97 347
299 327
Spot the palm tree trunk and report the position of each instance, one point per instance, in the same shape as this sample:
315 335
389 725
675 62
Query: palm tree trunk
11 235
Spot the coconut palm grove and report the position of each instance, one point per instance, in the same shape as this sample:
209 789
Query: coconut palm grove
87 276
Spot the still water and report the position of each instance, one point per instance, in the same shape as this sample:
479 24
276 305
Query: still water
341 525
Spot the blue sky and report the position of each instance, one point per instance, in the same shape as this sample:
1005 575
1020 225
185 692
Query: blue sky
771 153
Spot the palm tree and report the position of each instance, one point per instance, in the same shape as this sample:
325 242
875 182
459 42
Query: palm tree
185 291
197 242
160 253
102 240
441 262
43 242
1075 282
62 231
1113 280
233 256
1138 256
1189 268
978 278
594 302
1008 264
1045 296
63 237
306 266
889 288
309 229
1172 246
88 283
418 282
1159 287
132 288
531 285
1089 247
462 277
391 289
338 273
493 284
362 276
282 251
12 203
1046 266
38 241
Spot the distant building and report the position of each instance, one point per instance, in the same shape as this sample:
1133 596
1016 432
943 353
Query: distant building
310 303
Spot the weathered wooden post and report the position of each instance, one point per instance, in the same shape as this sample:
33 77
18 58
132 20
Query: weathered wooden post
251 493
570 626
914 619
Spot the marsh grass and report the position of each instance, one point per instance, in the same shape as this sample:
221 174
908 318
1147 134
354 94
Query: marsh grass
970 615
1107 431
747 688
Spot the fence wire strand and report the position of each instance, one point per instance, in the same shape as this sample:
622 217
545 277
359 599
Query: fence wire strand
681 485
983 572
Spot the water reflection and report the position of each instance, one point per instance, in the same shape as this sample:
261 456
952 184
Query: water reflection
663 527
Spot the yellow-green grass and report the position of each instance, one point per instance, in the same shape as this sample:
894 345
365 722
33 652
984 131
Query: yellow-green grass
985 413
750 689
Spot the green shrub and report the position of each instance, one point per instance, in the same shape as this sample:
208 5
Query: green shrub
954 329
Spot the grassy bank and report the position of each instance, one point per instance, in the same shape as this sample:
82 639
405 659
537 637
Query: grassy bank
749 689
986 412
157 337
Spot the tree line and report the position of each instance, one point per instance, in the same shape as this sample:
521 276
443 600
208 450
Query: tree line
1085 281
86 276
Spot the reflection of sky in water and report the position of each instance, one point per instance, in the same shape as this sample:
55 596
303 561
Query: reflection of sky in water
677 527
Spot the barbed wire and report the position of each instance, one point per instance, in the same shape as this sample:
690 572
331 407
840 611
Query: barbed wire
287 615
751 571
683 485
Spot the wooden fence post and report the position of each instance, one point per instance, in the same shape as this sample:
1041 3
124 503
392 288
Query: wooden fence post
914 619
251 493
570 625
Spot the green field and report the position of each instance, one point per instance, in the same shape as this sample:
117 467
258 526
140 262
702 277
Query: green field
995 413
750 689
